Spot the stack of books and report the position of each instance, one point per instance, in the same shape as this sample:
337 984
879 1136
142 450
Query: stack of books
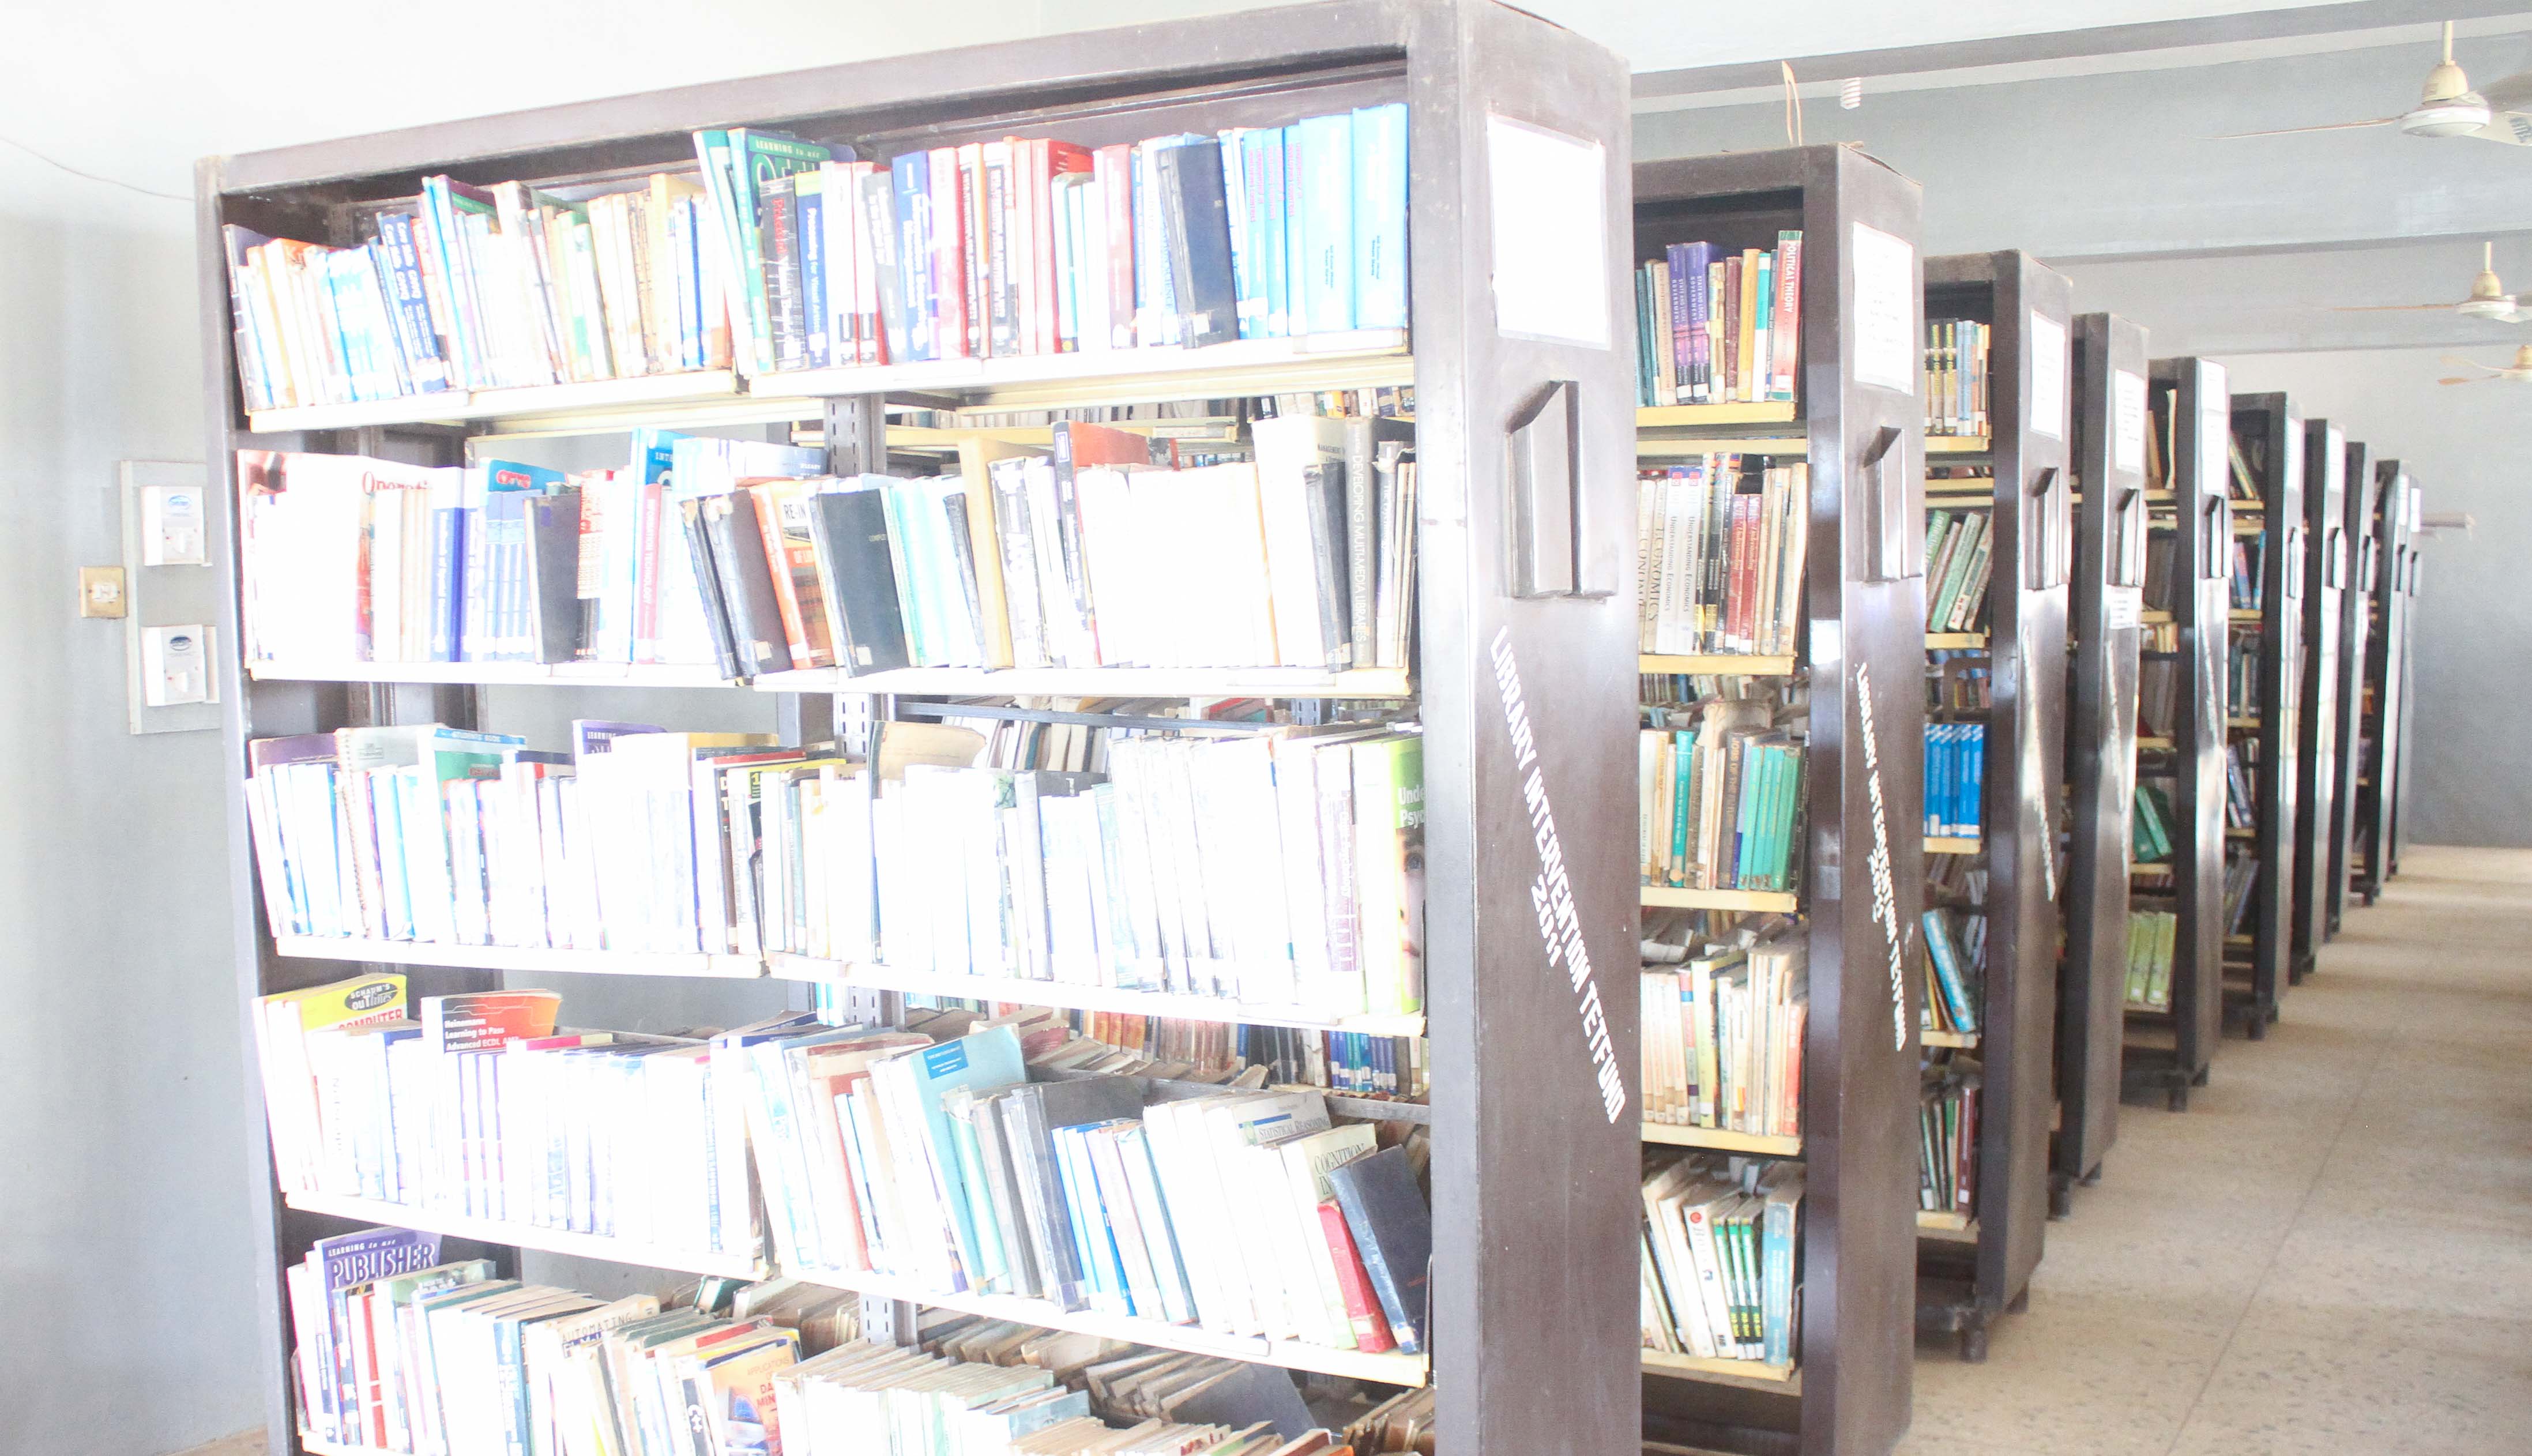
742 556
1723 551
1721 1239
2241 782
1955 778
1960 557
1720 807
2151 938
1948 1115
1722 1031
1146 877
2241 876
2150 833
1956 376
1719 326
778 254
1245 1213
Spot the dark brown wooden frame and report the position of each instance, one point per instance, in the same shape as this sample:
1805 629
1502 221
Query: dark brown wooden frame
2325 592
2258 983
1865 612
2355 637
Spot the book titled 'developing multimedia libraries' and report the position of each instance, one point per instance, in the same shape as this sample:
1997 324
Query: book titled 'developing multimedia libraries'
1281 867
1719 326
1100 552
778 254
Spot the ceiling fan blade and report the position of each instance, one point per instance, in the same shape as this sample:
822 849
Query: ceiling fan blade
2512 94
2513 128
2482 380
2472 364
2335 126
2394 307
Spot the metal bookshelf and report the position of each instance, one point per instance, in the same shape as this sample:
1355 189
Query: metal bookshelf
2385 677
1964 1287
1533 1174
2269 438
2171 1051
1850 1390
2107 617
2355 638
2325 590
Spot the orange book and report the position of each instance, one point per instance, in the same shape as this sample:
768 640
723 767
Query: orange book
783 515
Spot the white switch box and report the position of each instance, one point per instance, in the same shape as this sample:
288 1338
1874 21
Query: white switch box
171 526
175 665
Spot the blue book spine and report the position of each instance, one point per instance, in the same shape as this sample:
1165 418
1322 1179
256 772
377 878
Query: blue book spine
413 304
1264 244
685 245
1325 192
1245 303
1698 367
1973 808
1380 216
1090 1234
447 573
1276 236
911 175
812 232
474 578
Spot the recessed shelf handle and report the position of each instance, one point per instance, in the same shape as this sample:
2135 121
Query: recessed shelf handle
1898 544
1546 489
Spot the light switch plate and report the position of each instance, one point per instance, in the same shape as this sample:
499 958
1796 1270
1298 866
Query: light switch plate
101 592
170 510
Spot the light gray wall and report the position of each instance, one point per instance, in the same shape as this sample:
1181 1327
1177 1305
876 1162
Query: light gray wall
2467 447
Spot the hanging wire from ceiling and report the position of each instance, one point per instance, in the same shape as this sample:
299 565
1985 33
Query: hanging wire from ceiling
172 196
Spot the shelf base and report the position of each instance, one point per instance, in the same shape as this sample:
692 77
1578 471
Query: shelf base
1750 1373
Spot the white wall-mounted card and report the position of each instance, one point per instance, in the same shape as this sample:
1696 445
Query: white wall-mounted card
1550 205
2048 377
1887 349
2127 420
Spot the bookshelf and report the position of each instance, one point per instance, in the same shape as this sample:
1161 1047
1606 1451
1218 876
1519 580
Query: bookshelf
1850 1388
2029 310
2105 623
2403 734
1527 1156
2355 637
2268 441
2384 681
2170 1051
2316 766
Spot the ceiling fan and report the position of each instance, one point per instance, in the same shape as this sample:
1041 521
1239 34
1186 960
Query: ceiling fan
2520 371
2501 111
2487 299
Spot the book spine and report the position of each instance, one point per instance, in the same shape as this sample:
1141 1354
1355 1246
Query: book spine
947 257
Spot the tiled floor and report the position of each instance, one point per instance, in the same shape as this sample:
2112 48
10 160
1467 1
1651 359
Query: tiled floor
2331 1250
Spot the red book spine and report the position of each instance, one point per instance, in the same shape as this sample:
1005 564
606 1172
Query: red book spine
1745 575
769 525
1371 1328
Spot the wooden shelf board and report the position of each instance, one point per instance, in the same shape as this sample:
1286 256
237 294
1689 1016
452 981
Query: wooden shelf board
520 959
1720 1140
930 439
2154 617
1675 898
1931 1221
1955 639
527 1236
649 393
1691 415
1963 1039
497 674
2159 869
2246 615
1389 1368
1720 663
2236 831
2241 723
1027 992
1756 1374
312 1446
1356 359
1951 844
1958 444
2151 741
1103 683
1680 446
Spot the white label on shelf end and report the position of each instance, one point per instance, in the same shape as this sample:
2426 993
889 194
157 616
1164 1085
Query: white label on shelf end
1550 200
1886 348
2048 377
2124 608
2127 420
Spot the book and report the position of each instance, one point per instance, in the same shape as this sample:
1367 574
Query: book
1393 1230
1722 1037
